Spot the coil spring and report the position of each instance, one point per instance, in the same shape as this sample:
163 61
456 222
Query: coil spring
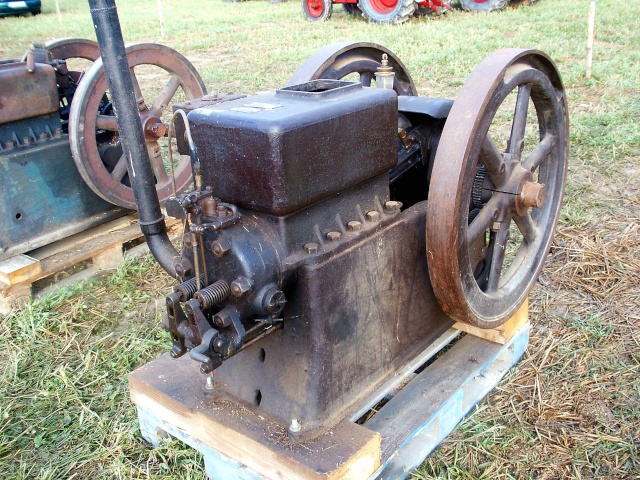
188 289
213 294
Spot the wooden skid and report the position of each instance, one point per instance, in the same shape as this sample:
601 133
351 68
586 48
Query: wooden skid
503 333
102 245
238 444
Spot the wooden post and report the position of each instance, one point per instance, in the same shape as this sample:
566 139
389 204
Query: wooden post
160 15
58 12
592 21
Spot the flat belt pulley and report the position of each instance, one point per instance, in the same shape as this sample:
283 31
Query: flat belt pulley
497 186
93 130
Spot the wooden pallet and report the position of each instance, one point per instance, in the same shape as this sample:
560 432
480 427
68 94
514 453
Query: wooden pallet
102 247
238 444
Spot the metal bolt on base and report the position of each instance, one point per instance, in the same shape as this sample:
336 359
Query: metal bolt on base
295 426
209 385
311 248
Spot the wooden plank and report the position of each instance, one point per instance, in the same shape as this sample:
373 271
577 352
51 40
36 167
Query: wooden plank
174 391
503 333
84 251
420 416
401 375
18 269
110 258
84 236
14 296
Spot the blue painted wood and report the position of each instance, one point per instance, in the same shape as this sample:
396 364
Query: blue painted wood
417 419
217 465
441 396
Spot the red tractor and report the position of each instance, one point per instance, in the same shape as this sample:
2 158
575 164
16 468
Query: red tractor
395 11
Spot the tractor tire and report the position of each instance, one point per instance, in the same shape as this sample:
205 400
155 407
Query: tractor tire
483 5
351 8
317 10
387 11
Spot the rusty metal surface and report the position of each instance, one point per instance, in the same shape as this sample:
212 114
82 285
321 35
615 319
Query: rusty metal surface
338 60
43 197
66 48
98 156
358 311
25 94
466 269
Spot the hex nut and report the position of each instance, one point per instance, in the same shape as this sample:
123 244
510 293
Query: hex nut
182 266
311 248
392 206
373 216
222 319
240 287
333 236
220 248
354 226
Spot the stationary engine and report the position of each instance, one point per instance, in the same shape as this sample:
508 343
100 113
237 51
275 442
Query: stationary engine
335 229
35 96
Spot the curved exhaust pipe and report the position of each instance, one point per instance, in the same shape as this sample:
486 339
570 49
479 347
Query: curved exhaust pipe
107 26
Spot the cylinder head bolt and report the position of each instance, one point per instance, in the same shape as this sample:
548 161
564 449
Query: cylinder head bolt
241 286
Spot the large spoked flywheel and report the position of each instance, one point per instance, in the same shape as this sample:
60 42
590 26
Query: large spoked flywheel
161 76
348 59
68 48
497 187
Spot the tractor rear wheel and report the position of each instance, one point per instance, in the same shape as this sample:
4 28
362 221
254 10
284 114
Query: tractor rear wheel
317 10
483 5
387 11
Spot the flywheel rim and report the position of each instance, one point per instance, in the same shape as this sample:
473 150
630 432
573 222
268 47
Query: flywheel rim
65 48
103 179
338 60
449 252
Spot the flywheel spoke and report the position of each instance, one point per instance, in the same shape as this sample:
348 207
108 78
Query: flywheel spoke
519 124
492 159
165 96
540 153
156 163
484 219
527 227
136 89
498 246
107 122
120 170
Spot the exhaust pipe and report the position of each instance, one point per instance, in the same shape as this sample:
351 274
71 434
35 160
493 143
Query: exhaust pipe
107 26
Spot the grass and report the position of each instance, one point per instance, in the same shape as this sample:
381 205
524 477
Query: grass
570 409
